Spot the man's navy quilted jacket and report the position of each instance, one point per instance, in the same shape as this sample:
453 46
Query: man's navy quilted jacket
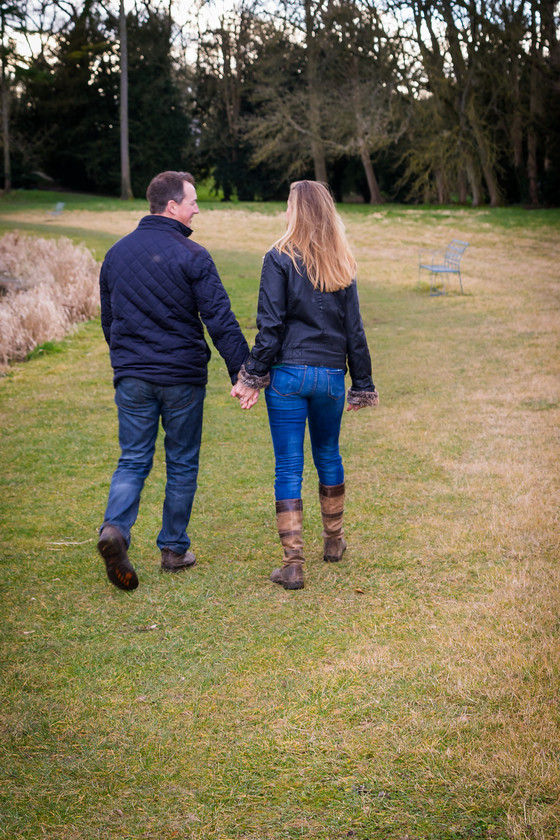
156 286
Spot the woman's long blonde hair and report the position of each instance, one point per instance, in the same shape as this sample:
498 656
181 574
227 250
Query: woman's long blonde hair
316 236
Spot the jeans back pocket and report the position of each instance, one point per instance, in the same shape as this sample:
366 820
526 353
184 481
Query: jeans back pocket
336 385
287 380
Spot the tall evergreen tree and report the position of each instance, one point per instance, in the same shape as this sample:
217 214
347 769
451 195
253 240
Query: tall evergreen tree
12 21
159 103
72 100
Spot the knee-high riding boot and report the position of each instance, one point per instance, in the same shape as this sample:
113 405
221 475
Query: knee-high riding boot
332 513
289 518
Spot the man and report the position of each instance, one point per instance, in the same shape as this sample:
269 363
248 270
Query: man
156 286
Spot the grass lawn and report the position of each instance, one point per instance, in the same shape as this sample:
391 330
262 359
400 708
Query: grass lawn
407 693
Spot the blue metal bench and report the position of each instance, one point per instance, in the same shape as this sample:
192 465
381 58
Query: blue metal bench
442 262
58 208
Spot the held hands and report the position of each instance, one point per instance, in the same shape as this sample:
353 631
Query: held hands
247 396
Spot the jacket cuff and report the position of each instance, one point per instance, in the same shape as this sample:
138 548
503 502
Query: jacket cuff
363 398
251 380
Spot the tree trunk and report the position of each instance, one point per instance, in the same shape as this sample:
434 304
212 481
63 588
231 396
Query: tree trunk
474 181
126 188
516 123
462 187
6 115
550 37
516 131
441 186
484 156
532 143
532 168
491 183
6 136
373 186
317 147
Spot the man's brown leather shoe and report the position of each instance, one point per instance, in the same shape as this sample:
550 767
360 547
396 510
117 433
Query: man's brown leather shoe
173 562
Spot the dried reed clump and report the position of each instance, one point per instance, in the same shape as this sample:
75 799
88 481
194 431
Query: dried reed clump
58 287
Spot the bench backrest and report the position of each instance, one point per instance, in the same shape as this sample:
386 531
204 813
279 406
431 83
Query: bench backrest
454 253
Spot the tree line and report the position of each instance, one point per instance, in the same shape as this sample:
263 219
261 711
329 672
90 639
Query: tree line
431 101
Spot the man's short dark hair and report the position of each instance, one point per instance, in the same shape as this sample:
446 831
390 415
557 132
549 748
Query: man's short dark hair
167 186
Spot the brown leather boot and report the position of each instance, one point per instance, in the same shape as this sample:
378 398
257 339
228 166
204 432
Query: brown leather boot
332 513
289 518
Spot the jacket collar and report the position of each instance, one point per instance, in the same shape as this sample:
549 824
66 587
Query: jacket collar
156 221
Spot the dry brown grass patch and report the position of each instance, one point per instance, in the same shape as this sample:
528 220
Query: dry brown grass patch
60 288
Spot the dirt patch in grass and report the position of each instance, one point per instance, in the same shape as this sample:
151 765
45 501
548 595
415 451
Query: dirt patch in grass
497 260
215 229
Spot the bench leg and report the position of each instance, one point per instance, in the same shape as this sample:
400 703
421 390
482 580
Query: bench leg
434 291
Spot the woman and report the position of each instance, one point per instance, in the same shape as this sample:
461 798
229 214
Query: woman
310 328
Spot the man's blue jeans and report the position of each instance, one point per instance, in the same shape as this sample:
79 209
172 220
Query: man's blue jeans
140 405
298 393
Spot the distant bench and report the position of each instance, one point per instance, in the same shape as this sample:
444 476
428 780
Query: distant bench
58 208
441 262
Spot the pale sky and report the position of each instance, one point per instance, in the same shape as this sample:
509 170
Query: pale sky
182 11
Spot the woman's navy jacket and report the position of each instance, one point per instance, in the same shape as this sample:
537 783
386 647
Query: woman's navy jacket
300 325
157 289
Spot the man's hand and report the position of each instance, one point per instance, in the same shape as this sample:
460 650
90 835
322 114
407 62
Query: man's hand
247 396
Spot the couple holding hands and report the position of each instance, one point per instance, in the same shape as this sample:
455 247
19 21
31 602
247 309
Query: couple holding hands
158 288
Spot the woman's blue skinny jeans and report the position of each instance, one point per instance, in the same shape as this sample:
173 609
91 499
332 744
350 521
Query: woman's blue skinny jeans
298 393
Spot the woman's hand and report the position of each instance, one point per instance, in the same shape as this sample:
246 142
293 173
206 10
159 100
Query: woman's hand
362 399
247 396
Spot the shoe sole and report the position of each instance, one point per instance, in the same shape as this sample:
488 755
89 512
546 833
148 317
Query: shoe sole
119 568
